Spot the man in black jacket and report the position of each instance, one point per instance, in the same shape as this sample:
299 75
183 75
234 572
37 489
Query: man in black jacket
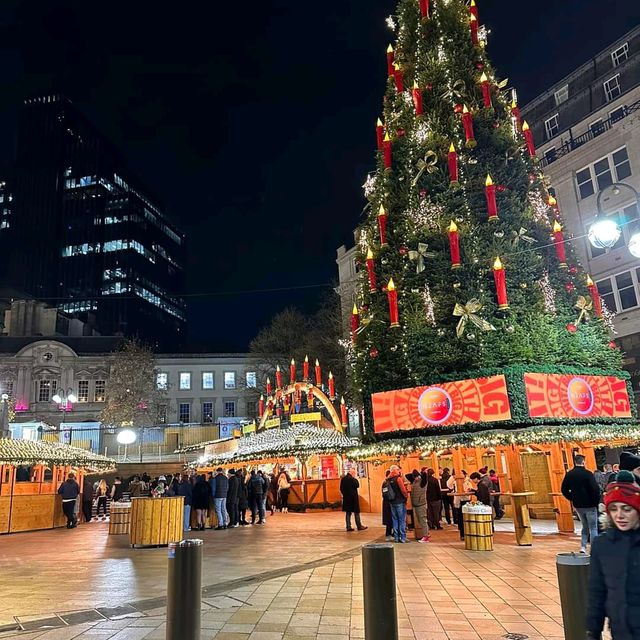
580 487
232 499
434 500
70 490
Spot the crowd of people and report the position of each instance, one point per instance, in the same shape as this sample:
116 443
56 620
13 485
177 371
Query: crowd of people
433 499
237 497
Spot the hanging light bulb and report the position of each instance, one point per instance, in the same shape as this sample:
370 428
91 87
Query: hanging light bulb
604 233
634 245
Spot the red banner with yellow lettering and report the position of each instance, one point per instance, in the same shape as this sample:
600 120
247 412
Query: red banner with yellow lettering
576 396
450 403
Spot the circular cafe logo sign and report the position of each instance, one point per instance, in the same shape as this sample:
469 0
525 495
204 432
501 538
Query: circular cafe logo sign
435 405
580 396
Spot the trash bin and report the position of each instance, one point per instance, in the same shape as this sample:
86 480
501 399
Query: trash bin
573 581
184 590
477 520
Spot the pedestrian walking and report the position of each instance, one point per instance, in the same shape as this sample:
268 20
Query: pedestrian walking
447 498
200 499
580 488
387 519
101 493
256 488
284 487
87 500
220 490
70 490
497 507
419 503
434 499
350 501
243 497
614 579
272 494
233 499
185 489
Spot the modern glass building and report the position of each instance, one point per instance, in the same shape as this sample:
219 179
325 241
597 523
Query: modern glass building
85 235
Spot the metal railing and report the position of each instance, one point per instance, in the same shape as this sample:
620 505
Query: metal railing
553 154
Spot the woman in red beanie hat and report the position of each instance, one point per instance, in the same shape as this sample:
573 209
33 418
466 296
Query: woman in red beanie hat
614 581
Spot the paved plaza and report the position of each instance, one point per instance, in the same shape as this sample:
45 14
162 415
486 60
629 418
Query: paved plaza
298 577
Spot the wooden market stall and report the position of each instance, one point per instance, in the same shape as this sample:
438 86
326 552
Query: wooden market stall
312 455
30 474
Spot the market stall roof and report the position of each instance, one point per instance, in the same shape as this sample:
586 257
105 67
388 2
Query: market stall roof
16 452
302 440
543 434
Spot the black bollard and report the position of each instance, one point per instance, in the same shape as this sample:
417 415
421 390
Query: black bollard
573 581
379 581
184 590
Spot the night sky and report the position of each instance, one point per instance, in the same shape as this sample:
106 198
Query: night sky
253 121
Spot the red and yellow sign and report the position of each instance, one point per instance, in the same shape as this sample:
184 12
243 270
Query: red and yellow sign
576 396
450 403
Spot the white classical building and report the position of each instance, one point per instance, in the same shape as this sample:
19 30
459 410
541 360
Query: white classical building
587 133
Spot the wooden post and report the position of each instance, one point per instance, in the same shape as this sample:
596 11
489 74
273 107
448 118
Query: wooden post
458 463
564 515
521 519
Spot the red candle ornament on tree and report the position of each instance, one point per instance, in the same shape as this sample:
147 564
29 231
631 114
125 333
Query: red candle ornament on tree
397 76
515 112
261 406
553 203
278 377
390 60
501 284
595 297
490 195
269 386
417 99
371 273
558 241
473 9
424 9
292 370
467 124
386 148
343 412
392 298
528 136
382 225
454 245
355 323
486 90
305 368
473 24
379 134
452 160
318 374
332 387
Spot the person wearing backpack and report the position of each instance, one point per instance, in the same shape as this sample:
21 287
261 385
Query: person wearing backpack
396 493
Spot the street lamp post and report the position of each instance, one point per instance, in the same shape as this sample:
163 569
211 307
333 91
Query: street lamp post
64 400
5 432
605 232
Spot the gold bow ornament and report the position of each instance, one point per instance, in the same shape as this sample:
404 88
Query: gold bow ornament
468 313
420 254
428 164
585 306
521 235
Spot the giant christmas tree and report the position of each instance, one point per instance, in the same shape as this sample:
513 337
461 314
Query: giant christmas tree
465 269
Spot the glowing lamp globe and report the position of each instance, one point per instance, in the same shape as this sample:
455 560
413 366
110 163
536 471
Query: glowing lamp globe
604 233
72 398
634 245
126 436
57 398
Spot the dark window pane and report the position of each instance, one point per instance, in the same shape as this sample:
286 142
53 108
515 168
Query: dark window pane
596 251
623 170
624 280
610 302
628 298
604 286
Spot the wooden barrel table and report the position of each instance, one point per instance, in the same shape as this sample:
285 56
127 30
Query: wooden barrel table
119 518
156 521
478 527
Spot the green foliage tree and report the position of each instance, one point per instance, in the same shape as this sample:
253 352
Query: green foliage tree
133 398
437 56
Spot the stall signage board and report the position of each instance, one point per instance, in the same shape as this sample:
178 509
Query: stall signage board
329 466
314 416
450 403
223 446
249 428
271 423
576 396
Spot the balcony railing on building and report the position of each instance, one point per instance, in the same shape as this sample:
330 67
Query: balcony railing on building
554 153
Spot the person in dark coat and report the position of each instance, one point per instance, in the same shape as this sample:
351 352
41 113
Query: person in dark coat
630 462
200 498
387 519
243 497
579 486
220 489
185 489
87 499
272 479
434 500
614 580
233 499
70 490
256 489
350 502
